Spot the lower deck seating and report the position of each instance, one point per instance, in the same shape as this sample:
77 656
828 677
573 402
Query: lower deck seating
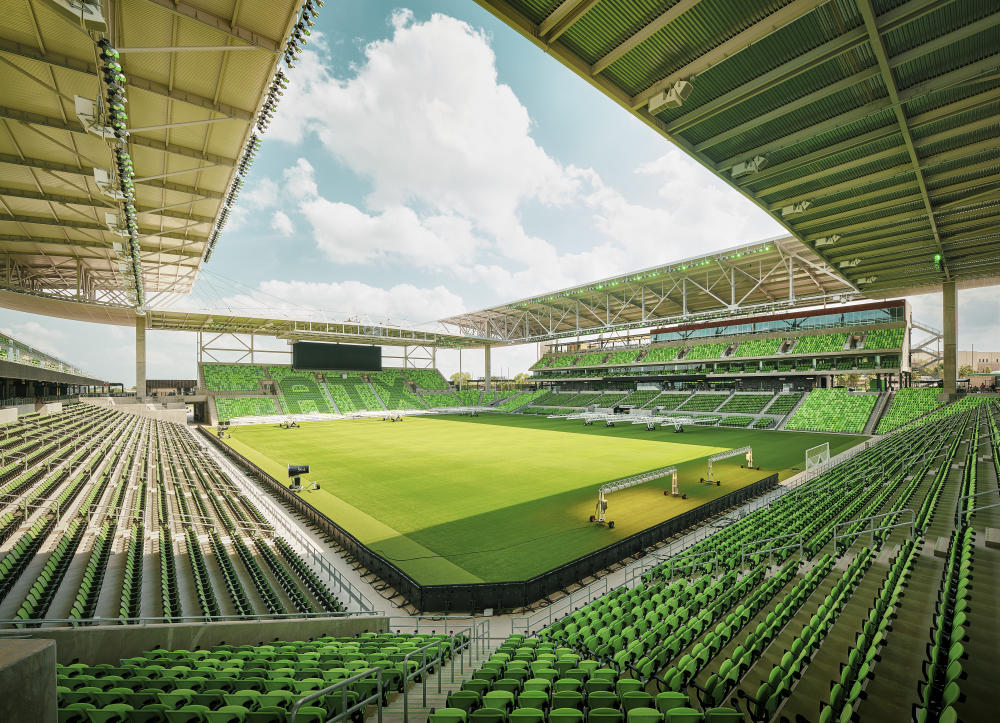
392 388
907 405
241 683
833 410
231 407
350 392
298 391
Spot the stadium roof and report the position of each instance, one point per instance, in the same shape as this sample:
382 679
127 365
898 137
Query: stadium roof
868 128
196 75
754 278
227 323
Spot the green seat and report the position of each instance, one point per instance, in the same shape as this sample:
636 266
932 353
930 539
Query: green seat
227 714
533 699
464 700
527 715
604 715
311 714
683 715
567 699
500 699
670 699
636 699
602 699
565 715
267 714
448 715
109 713
644 715
187 714
487 715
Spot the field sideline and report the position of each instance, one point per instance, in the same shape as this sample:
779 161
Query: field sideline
454 499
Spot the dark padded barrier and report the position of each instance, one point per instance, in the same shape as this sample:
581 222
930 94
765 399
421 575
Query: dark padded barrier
500 596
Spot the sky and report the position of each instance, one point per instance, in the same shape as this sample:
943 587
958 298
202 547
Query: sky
427 160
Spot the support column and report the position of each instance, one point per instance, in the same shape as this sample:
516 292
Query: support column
140 357
949 324
488 384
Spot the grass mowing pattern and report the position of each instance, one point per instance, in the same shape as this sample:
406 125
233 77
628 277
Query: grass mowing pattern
455 499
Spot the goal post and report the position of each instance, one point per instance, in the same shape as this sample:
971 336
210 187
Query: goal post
820 454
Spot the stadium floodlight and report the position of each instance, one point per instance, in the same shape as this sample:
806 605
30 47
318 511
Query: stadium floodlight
827 241
799 207
672 97
748 167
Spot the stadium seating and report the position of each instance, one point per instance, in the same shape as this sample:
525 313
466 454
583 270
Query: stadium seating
758 347
763 423
87 466
747 403
884 339
564 360
640 398
440 399
820 343
298 391
907 405
233 377
350 392
591 358
426 378
706 351
391 387
623 356
735 420
736 624
784 403
668 400
833 410
231 407
512 404
703 403
471 397
251 683
661 354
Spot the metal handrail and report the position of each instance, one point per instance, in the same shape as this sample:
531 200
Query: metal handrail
342 686
75 622
527 622
873 529
422 669
960 513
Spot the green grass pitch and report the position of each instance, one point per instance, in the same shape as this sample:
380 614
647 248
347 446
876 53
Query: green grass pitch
456 499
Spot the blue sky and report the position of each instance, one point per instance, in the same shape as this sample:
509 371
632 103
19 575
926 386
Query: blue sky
427 160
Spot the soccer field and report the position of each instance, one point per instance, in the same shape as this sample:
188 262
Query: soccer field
456 499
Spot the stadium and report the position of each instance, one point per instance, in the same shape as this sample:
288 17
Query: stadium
748 483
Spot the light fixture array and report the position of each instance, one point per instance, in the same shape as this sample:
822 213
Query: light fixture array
115 102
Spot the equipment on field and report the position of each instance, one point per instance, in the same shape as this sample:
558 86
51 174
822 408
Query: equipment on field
607 488
295 471
748 451
820 454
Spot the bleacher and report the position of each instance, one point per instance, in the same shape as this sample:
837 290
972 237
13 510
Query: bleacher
784 403
736 631
298 391
232 407
233 377
391 388
661 354
426 378
350 392
884 339
440 399
513 403
668 400
471 397
623 356
244 683
88 468
820 343
907 405
703 402
705 351
833 410
758 347
747 403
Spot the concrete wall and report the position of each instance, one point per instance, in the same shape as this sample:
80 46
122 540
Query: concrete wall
49 408
28 681
130 405
8 415
110 643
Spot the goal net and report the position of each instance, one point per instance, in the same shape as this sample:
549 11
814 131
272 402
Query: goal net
817 455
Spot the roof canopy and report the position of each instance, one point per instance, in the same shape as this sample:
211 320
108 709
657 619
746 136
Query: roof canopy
868 128
755 278
196 73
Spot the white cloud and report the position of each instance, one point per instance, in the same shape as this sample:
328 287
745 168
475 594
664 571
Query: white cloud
426 120
282 224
